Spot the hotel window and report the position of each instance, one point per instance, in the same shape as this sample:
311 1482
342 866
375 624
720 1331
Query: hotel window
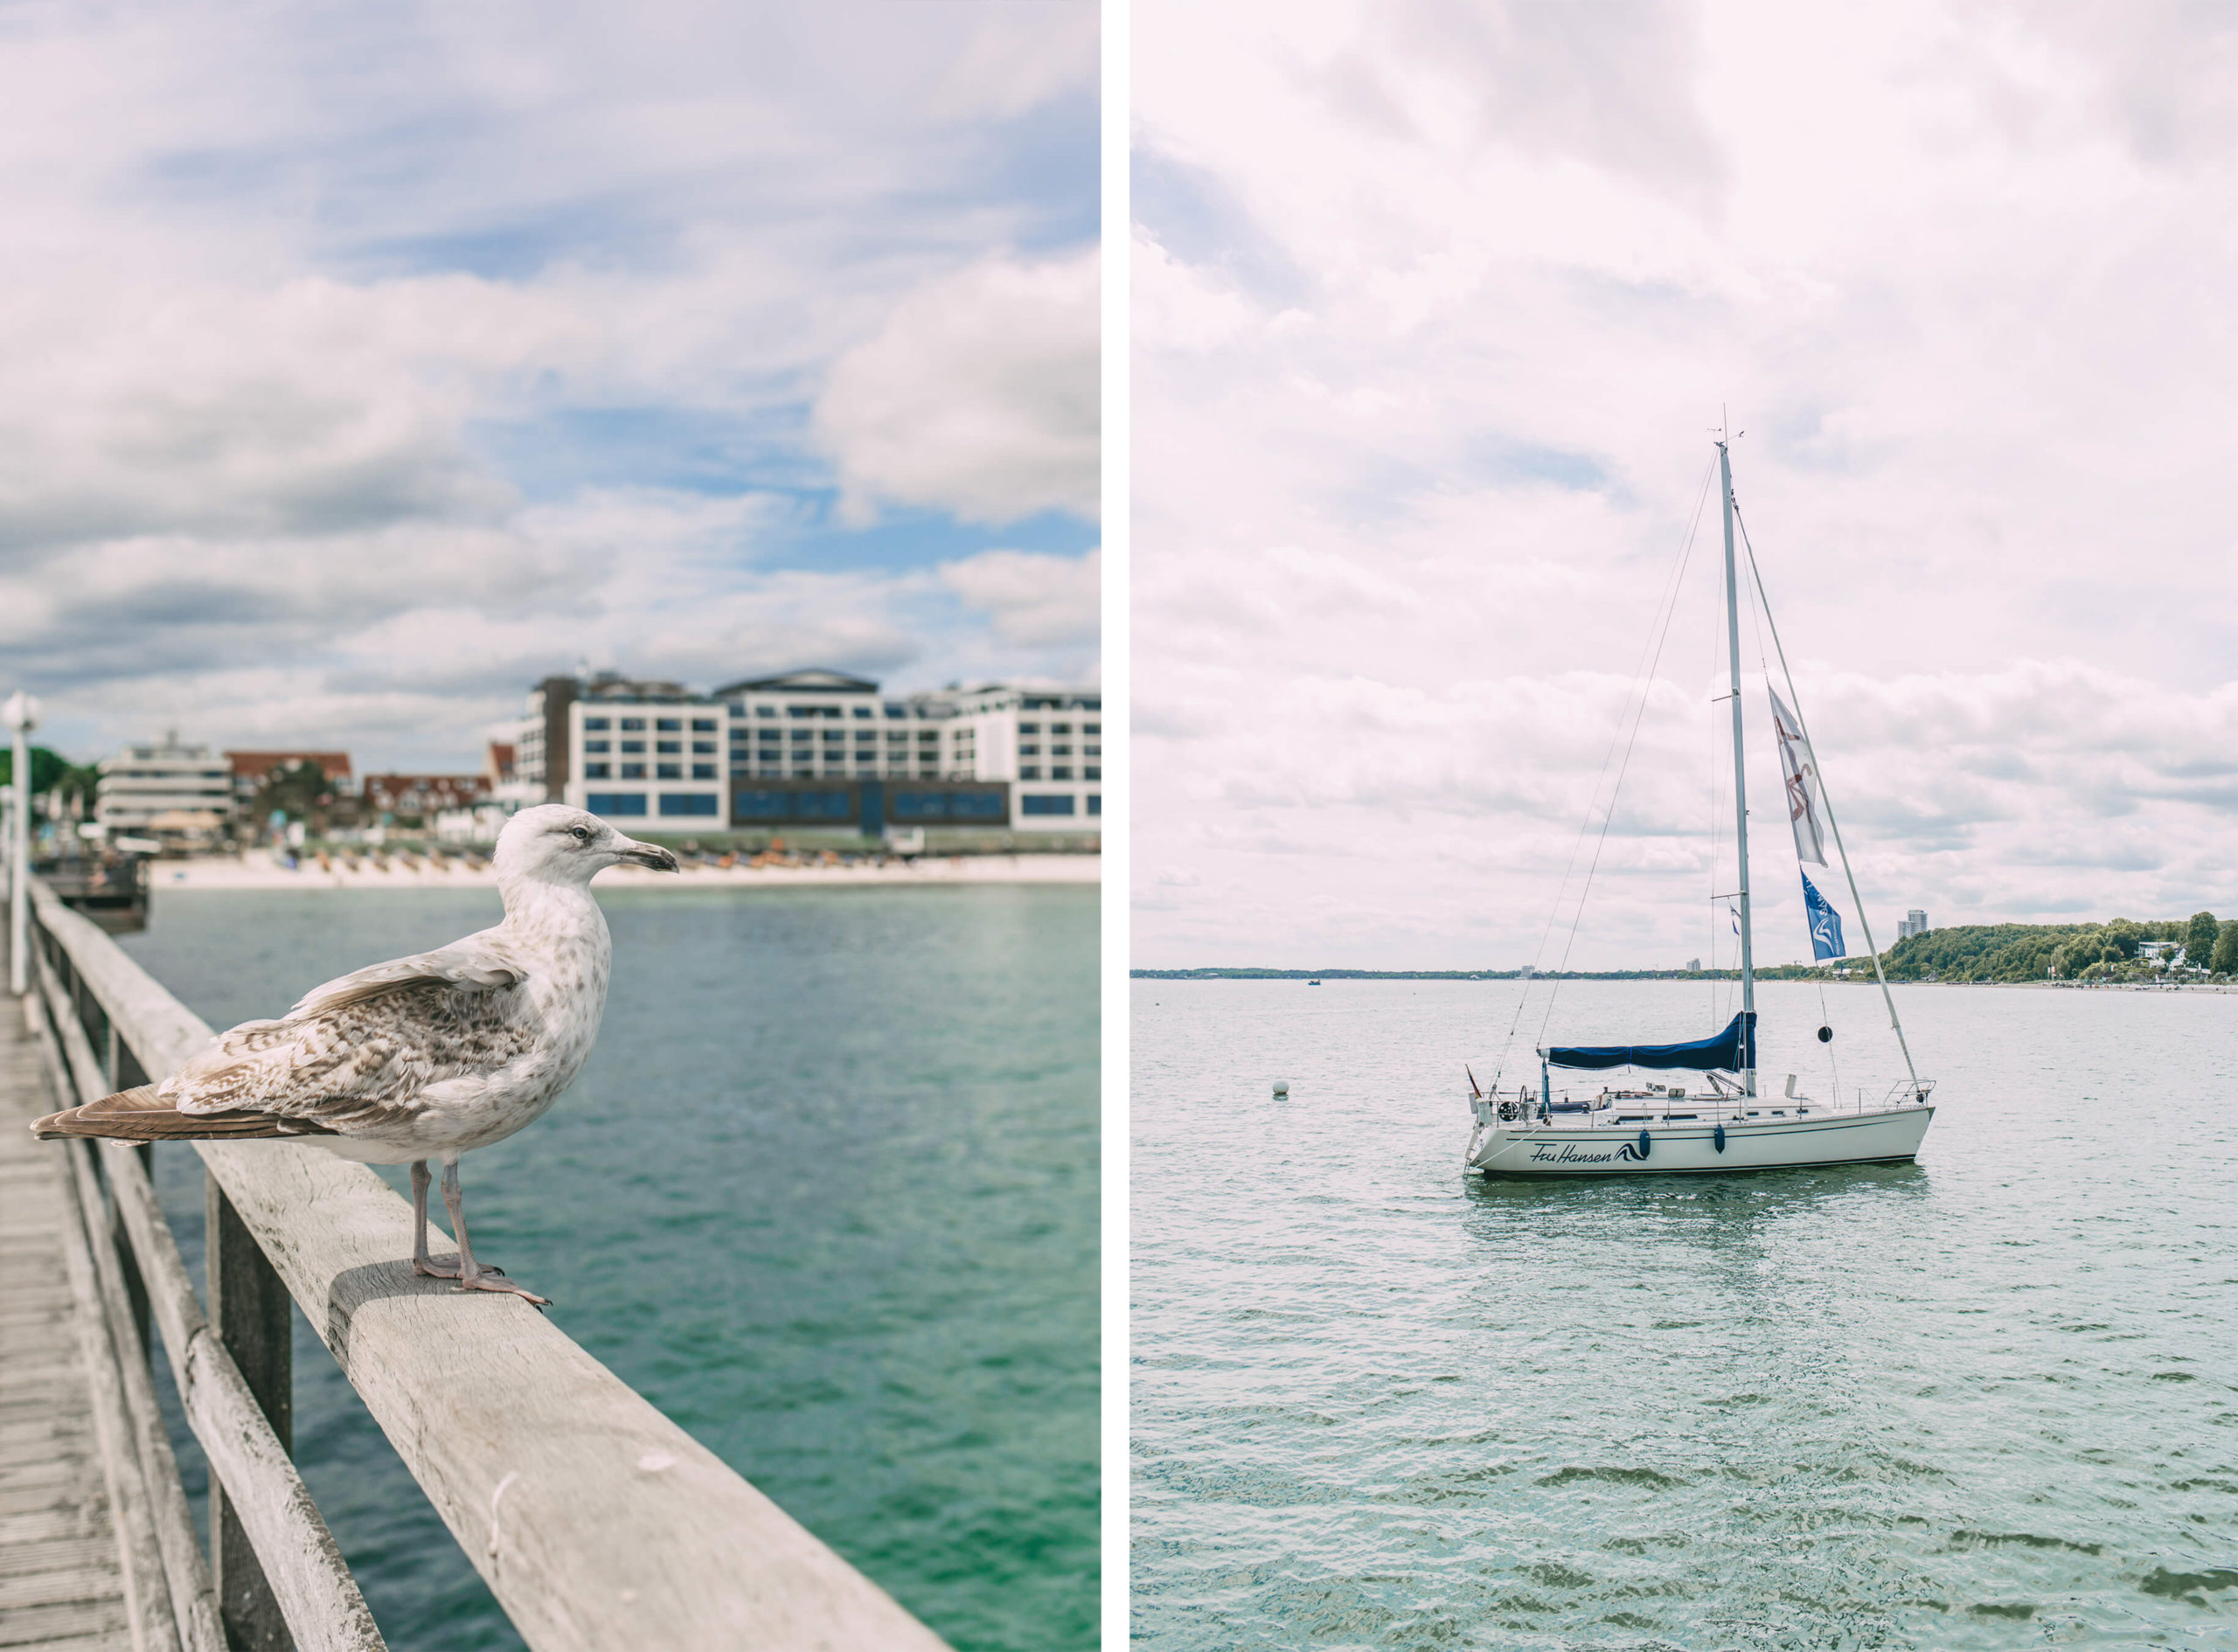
1029 771
1095 801
893 739
703 748
669 746
668 771
598 746
703 725
1028 748
1060 771
594 722
1063 748
670 724
628 723
862 711
1091 728
1094 772
1029 728
633 770
765 711
1092 751
803 737
633 745
703 771
1060 728
598 771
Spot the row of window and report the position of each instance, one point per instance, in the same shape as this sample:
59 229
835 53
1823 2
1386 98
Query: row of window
661 771
839 807
685 803
832 738
1058 772
661 724
700 748
1032 749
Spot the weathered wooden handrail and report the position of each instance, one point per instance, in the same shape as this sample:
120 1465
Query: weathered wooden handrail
597 1523
312 1587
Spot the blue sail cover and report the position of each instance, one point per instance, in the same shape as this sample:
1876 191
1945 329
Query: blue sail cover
1732 1051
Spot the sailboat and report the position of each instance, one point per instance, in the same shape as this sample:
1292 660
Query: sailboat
1661 1129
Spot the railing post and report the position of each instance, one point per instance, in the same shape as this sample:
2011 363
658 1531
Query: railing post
251 1311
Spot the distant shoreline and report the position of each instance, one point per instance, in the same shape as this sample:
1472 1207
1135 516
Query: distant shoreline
1659 975
257 871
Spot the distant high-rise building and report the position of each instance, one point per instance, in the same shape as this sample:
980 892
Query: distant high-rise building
1693 966
1914 924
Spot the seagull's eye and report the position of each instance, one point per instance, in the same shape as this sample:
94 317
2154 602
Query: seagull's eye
582 834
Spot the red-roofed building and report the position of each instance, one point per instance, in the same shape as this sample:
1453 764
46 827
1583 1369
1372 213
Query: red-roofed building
252 769
423 796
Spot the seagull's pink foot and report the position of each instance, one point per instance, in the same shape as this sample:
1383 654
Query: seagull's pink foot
489 1279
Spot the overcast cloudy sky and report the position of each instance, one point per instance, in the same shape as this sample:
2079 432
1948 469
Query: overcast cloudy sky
1436 301
363 363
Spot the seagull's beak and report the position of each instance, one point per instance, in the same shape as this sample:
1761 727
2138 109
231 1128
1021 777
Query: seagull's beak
651 854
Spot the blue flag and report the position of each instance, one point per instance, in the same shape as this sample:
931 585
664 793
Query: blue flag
1826 923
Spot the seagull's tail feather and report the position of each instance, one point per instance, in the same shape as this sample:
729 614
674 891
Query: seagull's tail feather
142 1115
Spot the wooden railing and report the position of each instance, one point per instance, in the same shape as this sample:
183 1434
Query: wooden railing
599 1525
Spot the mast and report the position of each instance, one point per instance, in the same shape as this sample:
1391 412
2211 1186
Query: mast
1740 775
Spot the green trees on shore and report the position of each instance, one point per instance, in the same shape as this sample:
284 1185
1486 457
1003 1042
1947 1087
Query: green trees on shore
2064 952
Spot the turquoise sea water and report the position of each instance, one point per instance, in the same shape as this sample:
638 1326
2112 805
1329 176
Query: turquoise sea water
1990 1400
825 1194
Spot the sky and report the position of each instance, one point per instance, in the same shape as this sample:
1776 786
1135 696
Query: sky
1437 305
366 363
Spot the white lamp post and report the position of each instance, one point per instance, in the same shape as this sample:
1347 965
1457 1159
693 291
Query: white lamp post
21 715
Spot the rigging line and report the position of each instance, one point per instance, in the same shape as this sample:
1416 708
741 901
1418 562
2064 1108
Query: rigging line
1555 912
1646 682
1804 728
1833 1061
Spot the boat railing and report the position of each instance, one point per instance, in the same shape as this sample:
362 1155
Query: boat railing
1702 1107
596 1521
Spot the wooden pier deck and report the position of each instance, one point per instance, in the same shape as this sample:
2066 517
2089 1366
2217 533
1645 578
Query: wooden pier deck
61 1574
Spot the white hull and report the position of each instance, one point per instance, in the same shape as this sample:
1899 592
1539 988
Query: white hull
1891 1136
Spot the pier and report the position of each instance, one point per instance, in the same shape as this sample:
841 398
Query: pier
596 1521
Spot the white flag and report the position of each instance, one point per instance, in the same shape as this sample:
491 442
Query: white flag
1806 804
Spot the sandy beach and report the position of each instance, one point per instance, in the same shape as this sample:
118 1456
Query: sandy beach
258 870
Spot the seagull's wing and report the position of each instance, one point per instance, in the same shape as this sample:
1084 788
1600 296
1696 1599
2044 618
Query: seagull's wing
359 1050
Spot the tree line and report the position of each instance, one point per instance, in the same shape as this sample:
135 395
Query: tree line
2062 952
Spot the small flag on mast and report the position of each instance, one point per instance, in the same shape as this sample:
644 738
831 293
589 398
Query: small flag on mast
1826 924
1806 803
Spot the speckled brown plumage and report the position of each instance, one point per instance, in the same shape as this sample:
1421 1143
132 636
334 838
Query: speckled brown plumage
426 1057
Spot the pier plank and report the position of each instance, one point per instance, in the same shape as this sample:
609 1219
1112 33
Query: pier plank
61 1576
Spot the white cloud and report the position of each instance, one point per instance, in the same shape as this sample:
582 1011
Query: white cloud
979 395
1030 598
358 368
1434 309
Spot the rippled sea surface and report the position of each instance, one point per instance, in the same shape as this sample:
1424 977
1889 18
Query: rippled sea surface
1987 1401
825 1194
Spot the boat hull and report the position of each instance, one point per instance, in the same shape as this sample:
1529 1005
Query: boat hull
1541 1151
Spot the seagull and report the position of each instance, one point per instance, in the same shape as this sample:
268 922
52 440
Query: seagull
423 1058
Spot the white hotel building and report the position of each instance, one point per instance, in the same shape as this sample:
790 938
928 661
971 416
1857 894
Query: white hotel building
165 786
816 748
